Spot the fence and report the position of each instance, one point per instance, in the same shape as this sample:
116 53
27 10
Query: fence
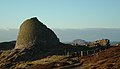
84 53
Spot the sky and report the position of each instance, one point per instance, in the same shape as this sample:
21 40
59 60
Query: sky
61 14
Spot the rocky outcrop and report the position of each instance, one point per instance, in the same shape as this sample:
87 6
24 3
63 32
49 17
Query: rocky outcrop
103 42
34 42
34 34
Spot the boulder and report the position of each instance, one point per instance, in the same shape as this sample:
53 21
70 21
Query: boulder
34 34
34 42
102 42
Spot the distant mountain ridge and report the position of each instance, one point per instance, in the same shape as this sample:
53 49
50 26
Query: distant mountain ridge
67 35
89 34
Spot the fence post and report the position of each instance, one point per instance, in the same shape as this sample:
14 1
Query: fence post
87 52
65 53
94 52
68 54
78 54
81 53
75 53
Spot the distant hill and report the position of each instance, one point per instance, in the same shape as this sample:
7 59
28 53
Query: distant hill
67 35
79 42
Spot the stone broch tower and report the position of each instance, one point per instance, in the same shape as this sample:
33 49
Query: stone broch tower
34 33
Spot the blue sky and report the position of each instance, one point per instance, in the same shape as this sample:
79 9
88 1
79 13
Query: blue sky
62 14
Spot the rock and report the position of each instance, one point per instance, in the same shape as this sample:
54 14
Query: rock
103 42
33 42
34 39
34 34
79 42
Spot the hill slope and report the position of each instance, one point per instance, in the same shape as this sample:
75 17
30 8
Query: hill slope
107 59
